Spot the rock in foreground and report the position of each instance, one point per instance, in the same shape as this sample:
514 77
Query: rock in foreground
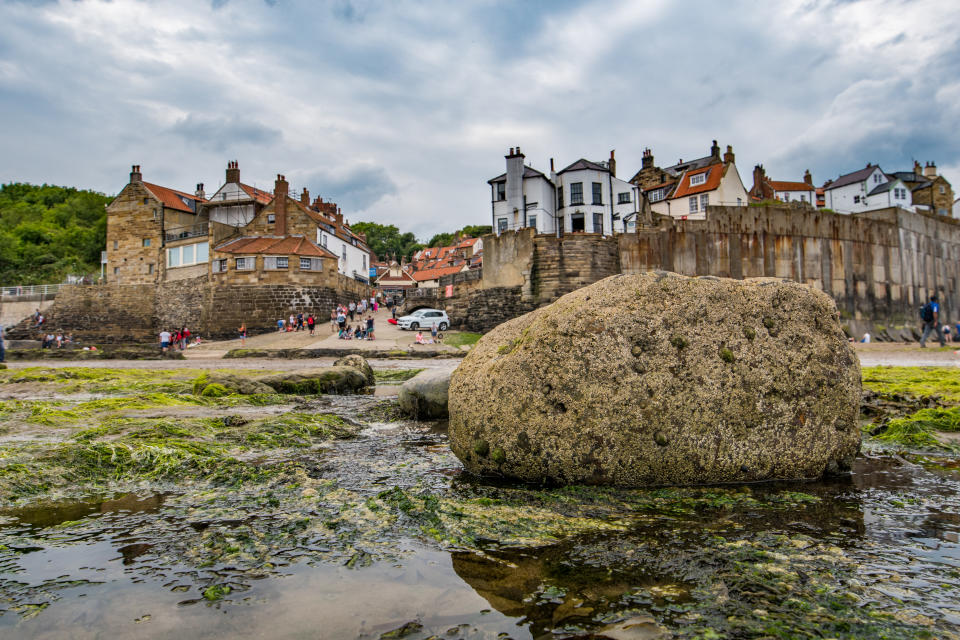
424 396
660 379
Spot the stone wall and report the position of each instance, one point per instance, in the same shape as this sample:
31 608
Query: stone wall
180 303
133 219
480 310
878 266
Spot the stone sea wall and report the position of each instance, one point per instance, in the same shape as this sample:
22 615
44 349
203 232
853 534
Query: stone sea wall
879 267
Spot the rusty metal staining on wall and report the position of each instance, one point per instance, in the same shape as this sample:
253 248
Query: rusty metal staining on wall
878 266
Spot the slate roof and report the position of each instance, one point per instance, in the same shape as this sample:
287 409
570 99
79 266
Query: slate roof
677 169
883 188
528 172
173 199
275 245
583 163
851 178
714 175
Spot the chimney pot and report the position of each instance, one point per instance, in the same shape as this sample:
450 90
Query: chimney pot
233 171
135 175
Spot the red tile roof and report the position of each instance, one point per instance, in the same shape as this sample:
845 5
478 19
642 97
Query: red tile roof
436 273
261 196
171 198
714 175
286 245
468 242
781 185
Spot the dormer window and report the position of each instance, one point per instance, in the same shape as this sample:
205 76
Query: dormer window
700 178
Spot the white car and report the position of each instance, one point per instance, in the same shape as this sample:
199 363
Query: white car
424 319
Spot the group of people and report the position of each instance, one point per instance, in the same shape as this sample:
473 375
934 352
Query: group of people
341 324
48 340
178 339
297 322
435 336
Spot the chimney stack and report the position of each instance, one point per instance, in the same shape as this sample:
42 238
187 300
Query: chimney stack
917 169
758 180
281 189
647 162
514 186
200 194
305 197
233 171
613 164
552 170
135 175
728 157
715 150
930 170
807 178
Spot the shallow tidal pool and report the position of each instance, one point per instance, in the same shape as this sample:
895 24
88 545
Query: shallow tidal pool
132 508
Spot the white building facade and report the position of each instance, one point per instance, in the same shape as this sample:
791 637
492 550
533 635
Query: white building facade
865 190
585 197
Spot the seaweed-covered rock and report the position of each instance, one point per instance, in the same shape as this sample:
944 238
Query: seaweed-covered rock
357 362
232 383
338 380
425 395
660 379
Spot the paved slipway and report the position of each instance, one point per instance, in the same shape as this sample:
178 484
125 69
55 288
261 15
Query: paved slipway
908 355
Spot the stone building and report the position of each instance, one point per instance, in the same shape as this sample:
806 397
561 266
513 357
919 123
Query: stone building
930 192
765 189
139 221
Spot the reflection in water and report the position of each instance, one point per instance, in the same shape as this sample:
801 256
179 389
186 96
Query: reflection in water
147 565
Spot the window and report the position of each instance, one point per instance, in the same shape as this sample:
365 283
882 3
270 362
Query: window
187 254
146 200
203 252
156 214
271 218
576 193
343 251
623 198
877 178
501 225
150 268
559 197
116 245
856 199
173 257
786 197
943 190
273 263
323 241
577 223
693 204
146 242
704 201
532 221
501 191
739 202
700 178
655 196
803 198
116 271
311 264
245 264
219 266
598 223
597 193
364 256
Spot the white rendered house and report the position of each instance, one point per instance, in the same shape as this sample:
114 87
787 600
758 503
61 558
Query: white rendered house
716 183
865 190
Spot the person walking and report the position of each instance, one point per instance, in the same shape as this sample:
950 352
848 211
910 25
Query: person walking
433 332
333 318
311 323
243 334
164 340
184 338
353 309
931 322
370 327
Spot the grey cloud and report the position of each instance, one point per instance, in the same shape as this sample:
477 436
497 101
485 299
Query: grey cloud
220 133
354 188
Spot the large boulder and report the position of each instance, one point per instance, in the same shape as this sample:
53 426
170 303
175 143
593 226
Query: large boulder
660 379
338 380
357 362
424 396
217 381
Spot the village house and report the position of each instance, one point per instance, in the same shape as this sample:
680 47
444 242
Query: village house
395 279
765 189
157 234
138 220
930 192
866 190
585 196
686 189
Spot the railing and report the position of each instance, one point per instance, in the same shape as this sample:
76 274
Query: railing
432 292
30 290
193 231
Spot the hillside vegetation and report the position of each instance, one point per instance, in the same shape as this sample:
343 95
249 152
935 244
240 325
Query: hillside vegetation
49 232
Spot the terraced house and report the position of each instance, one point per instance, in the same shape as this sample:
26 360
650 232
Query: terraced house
240 234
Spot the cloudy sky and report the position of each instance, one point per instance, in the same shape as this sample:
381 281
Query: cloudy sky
400 111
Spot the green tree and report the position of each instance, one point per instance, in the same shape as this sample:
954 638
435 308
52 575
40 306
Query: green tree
386 240
49 232
441 240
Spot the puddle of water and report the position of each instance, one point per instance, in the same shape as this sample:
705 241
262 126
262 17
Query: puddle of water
122 566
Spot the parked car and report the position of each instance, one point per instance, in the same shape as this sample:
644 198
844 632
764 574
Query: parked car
425 319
